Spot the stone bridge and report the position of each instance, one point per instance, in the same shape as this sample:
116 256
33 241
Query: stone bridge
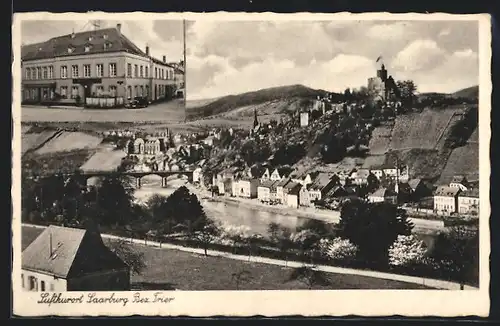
137 175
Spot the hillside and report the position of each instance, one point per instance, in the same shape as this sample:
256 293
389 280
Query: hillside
51 150
468 93
232 102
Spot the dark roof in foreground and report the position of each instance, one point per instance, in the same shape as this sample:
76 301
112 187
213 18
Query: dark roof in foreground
105 40
74 252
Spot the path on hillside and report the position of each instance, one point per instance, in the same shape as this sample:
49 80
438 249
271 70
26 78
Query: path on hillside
438 284
445 128
43 143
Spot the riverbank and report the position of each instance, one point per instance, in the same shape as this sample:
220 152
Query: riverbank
328 216
376 276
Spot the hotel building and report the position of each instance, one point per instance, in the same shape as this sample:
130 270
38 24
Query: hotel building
99 63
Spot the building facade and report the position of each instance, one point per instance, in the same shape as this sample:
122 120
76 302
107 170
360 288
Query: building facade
66 259
446 200
101 63
468 202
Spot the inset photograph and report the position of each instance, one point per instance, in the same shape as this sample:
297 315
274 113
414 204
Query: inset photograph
99 70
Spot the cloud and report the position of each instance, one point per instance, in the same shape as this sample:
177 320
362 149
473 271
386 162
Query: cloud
444 32
390 31
418 55
459 70
232 57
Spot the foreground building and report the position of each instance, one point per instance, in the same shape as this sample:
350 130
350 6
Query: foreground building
103 63
66 259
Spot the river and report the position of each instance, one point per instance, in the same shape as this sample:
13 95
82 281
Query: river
257 220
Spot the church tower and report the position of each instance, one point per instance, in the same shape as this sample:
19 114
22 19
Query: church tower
255 120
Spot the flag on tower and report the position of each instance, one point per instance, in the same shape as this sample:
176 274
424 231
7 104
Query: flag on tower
379 58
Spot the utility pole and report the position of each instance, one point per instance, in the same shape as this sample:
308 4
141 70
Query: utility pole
184 63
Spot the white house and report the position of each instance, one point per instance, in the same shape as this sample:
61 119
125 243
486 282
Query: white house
446 199
64 259
197 175
278 174
265 189
291 193
280 194
266 175
304 119
383 195
468 202
246 187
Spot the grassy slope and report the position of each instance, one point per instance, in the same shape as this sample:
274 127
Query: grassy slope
232 102
68 141
173 269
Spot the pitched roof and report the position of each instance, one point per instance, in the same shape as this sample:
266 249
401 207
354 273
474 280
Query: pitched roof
413 183
446 191
283 182
292 185
321 181
382 192
267 184
74 251
96 39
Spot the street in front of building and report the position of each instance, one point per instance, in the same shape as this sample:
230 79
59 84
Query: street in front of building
171 111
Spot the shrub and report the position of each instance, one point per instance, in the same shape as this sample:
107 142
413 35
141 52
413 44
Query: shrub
406 250
341 249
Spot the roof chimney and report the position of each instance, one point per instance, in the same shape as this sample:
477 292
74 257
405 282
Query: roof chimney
50 244
165 59
147 50
119 28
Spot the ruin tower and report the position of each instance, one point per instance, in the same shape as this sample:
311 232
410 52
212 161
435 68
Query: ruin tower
382 73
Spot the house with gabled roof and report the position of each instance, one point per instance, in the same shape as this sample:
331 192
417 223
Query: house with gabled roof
383 195
321 185
446 199
291 194
280 173
265 190
246 187
64 259
468 201
280 186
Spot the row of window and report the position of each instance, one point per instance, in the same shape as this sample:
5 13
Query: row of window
47 72
36 73
32 284
143 72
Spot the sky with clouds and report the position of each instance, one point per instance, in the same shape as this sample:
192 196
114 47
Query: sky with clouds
233 57
164 37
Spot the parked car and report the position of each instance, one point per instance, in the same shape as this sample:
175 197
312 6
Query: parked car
138 102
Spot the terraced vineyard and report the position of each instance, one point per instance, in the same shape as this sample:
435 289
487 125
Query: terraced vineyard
462 161
421 130
380 140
